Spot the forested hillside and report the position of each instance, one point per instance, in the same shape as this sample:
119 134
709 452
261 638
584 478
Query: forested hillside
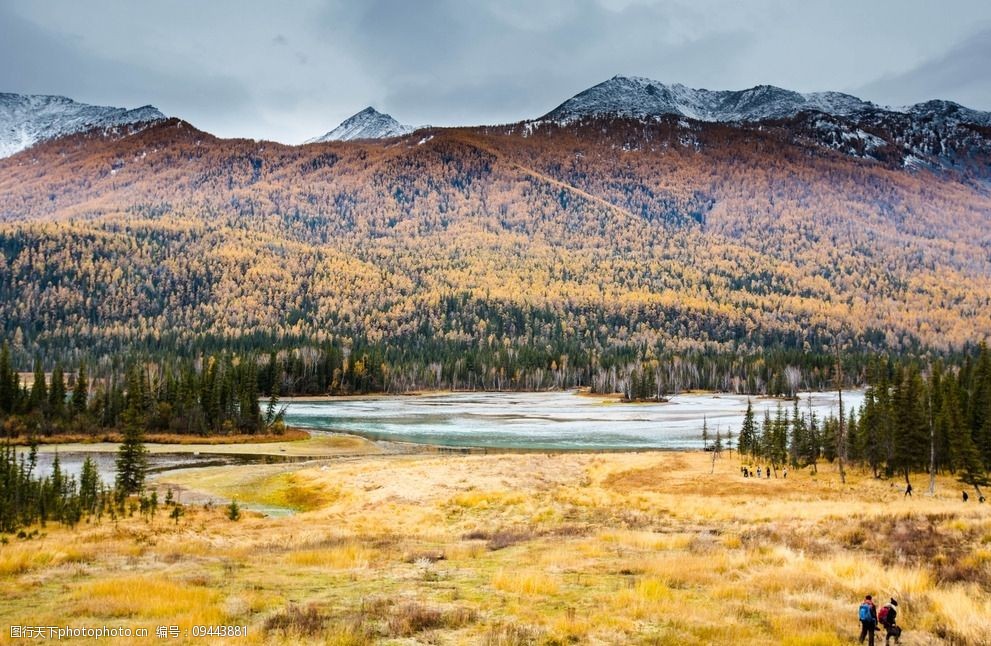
525 256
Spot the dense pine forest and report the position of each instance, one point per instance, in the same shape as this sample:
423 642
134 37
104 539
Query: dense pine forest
218 393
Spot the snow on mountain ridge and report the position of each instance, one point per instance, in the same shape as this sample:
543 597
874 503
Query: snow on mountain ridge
367 124
935 134
949 111
27 119
638 97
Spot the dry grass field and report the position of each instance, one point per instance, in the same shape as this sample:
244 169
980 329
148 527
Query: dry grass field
645 548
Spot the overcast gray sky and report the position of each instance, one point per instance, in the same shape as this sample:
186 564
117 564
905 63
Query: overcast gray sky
292 70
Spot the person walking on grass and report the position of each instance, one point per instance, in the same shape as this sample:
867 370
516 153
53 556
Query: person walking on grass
908 490
868 620
886 617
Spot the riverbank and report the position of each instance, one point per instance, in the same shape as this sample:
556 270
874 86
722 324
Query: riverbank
658 547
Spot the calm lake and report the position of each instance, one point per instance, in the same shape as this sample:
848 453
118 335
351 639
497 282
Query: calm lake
550 420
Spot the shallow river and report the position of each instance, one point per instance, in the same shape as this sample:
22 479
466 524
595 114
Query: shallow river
71 462
552 420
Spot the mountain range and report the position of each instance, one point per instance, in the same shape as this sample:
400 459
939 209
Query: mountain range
633 219
937 134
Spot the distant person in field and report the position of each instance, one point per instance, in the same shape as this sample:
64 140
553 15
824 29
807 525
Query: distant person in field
886 616
785 473
965 497
867 613
758 472
908 489
768 471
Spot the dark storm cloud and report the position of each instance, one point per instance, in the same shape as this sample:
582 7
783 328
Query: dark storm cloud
466 62
289 71
963 73
449 61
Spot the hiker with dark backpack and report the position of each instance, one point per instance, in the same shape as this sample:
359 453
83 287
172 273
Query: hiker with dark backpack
887 616
868 620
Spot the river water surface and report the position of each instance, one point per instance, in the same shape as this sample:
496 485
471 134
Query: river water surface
549 420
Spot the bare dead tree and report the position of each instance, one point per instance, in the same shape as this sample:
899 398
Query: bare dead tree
840 435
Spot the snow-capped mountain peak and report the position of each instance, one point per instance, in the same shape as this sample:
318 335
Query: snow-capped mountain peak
367 124
948 111
27 119
637 97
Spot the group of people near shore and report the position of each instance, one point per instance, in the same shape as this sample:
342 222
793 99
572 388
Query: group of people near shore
749 473
871 618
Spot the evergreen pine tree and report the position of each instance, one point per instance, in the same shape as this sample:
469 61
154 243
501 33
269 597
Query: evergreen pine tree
829 432
747 441
8 381
800 446
89 484
132 457
815 441
38 399
911 441
80 392
885 423
852 432
766 439
777 443
868 433
56 394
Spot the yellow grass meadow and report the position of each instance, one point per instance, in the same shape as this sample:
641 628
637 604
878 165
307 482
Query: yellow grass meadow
625 548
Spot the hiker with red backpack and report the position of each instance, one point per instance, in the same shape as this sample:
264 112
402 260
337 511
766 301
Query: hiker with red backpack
886 616
868 620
